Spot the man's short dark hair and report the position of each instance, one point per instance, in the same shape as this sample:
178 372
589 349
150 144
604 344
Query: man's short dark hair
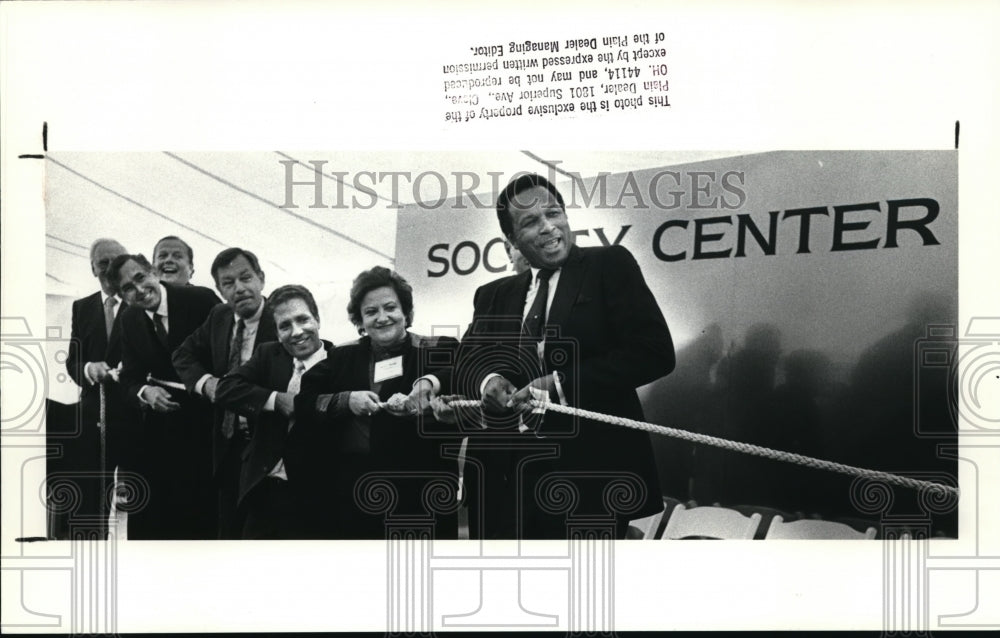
379 277
284 294
116 265
515 186
230 255
175 238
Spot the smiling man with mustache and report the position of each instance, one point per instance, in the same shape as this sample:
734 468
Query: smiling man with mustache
223 342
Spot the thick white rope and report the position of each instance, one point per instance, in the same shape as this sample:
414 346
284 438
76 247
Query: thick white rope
726 444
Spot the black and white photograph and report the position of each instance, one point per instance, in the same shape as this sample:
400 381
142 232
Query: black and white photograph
534 323
794 301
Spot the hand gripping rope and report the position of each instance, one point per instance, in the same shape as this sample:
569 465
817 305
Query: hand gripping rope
704 439
745 448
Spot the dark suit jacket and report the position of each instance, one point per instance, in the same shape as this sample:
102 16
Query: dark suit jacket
206 351
172 451
81 452
142 352
408 445
396 441
245 391
606 335
89 341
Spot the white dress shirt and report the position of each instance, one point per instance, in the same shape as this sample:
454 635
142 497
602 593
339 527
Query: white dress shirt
533 291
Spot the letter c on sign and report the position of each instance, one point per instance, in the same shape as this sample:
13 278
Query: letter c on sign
486 256
658 235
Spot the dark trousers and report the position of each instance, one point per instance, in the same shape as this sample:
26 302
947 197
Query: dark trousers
174 462
353 517
504 500
73 433
232 517
276 509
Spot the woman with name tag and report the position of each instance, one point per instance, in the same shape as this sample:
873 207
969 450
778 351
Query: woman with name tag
387 443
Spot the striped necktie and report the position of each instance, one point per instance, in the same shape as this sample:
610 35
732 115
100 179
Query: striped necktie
234 361
109 314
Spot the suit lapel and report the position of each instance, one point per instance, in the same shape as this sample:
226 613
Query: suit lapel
282 370
570 280
178 314
173 318
141 320
113 348
265 329
513 303
358 366
95 309
224 340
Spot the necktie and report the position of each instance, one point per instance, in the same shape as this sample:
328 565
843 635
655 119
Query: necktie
295 384
109 314
532 335
533 327
236 346
235 359
161 330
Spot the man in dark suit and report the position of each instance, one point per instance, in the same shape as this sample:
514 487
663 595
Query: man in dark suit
276 485
581 328
94 352
221 344
173 447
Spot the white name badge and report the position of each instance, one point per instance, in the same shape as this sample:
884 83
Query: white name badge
389 368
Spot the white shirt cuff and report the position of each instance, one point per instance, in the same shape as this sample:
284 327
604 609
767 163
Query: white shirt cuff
538 395
278 471
482 386
198 387
559 390
269 404
435 383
